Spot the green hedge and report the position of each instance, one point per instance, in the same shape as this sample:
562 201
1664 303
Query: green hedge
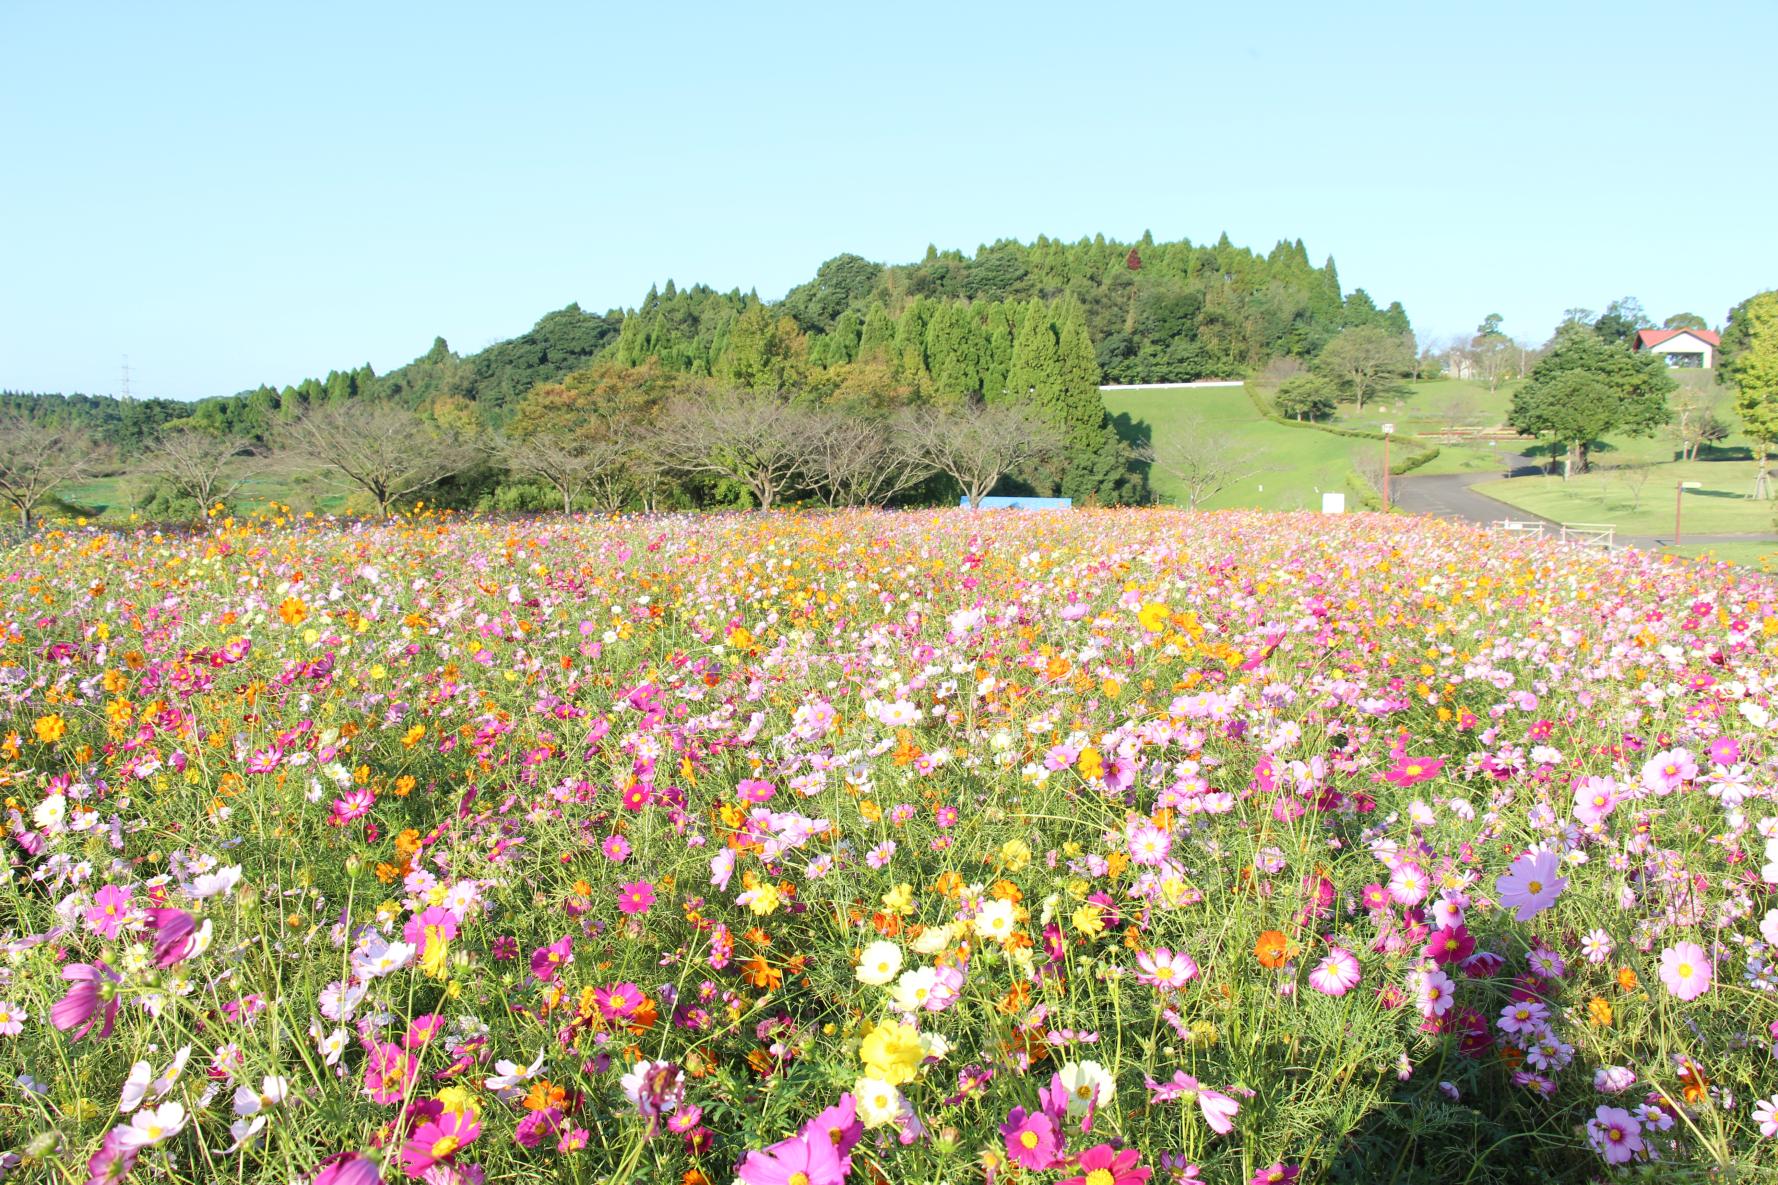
1421 451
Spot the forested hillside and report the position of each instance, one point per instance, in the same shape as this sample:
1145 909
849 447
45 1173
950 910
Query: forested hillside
1039 325
1151 312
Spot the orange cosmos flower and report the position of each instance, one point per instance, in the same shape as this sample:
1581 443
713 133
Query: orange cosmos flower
1272 950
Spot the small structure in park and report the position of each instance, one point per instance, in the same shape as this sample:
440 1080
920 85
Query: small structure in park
1681 347
1017 502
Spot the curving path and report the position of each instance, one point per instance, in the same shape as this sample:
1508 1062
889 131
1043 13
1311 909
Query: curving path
1449 496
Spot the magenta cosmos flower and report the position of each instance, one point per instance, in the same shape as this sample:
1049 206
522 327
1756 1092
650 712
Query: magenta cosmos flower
1030 1139
1531 885
800 1160
1410 770
439 1139
840 1126
635 896
349 1168
1686 970
1102 1165
94 992
547 960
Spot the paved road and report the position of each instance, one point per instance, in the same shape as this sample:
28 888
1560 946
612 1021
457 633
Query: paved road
1449 496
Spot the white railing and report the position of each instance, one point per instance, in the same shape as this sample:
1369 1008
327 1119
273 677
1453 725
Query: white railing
1590 534
1515 526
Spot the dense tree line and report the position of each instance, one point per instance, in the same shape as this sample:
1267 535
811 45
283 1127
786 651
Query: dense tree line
1036 326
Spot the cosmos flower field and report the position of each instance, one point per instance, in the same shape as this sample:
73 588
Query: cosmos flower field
903 847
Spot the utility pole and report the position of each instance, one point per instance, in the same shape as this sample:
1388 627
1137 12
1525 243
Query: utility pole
126 379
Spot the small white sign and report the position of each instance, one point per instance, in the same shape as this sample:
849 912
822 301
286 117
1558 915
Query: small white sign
1333 503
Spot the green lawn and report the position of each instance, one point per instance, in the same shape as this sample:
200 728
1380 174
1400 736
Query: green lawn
1722 507
110 496
1292 466
1761 555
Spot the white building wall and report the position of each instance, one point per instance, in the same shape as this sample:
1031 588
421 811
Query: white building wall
1685 343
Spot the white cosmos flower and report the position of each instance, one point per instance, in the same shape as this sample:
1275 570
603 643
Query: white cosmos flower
211 884
879 963
151 1127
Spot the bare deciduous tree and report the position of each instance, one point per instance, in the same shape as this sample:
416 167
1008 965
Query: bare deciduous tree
204 467
1695 422
1635 477
1456 410
381 448
570 467
36 457
1199 459
977 445
756 439
854 460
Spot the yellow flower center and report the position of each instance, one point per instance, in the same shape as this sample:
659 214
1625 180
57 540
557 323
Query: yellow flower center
799 1178
1028 1139
1685 971
444 1146
1101 1177
1535 887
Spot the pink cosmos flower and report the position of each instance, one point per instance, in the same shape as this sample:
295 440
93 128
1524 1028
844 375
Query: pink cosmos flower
1616 1134
1031 1140
755 790
799 1160
1669 769
1409 885
1686 970
1531 885
1524 1017
1594 799
1336 974
1218 1108
439 1140
635 897
1276 1173
1103 1165
435 921
1162 969
616 848
1434 992
105 916
386 1072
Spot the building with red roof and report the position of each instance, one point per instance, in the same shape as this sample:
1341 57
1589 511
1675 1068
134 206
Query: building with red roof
1681 347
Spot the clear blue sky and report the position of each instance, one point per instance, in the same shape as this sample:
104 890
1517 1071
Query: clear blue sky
239 193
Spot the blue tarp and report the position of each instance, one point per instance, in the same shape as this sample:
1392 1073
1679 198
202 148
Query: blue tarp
993 503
